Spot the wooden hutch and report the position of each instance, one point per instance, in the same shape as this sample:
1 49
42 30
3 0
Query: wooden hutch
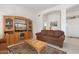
17 29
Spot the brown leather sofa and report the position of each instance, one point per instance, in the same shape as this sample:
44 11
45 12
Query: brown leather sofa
55 37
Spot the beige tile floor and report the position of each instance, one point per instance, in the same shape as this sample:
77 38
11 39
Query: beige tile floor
71 46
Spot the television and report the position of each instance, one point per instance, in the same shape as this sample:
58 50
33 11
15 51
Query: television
20 25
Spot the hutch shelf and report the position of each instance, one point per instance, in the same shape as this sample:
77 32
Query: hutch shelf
17 29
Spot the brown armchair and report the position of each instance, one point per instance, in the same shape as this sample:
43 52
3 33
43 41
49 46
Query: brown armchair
55 37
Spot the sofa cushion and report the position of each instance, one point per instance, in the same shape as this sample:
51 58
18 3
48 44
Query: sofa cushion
47 32
57 34
54 33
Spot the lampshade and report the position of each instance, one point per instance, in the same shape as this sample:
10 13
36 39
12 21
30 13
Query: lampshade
45 23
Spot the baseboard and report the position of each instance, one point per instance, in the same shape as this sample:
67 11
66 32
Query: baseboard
73 37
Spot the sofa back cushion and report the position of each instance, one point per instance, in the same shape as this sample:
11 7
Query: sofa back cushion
47 32
58 33
55 33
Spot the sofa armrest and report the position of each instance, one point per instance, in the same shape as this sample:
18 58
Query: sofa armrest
62 37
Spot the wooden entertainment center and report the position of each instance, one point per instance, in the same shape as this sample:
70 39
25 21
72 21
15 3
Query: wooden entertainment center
17 29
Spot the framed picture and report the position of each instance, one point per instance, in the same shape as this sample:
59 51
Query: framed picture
53 24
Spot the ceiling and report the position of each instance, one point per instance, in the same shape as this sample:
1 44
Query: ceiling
32 7
74 8
38 7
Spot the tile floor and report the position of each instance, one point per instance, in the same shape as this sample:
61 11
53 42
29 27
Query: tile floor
71 46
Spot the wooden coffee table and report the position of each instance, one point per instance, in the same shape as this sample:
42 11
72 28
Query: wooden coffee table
38 45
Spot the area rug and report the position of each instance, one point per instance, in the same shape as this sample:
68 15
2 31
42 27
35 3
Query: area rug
26 49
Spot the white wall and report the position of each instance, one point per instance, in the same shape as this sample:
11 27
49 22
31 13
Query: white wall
14 10
61 8
73 24
39 23
51 17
